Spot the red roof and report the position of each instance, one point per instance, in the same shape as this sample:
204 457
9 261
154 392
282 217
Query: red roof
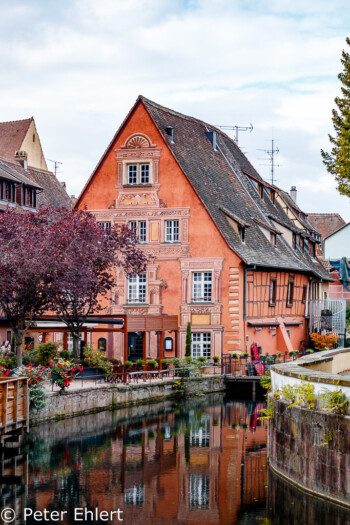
326 223
12 135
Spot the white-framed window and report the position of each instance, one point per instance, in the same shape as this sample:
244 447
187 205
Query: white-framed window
138 173
140 229
137 288
202 287
106 226
171 231
134 495
201 345
201 436
199 490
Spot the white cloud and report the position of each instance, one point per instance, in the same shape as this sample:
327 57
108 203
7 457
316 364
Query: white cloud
78 66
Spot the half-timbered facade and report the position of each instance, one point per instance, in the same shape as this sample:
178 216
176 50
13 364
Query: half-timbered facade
225 255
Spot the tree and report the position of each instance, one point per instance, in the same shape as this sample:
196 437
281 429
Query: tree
24 276
85 257
338 160
188 340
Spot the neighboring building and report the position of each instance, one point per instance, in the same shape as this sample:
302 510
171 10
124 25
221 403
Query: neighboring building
226 256
325 224
25 181
337 243
22 135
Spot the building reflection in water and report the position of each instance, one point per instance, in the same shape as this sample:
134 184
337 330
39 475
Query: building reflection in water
201 461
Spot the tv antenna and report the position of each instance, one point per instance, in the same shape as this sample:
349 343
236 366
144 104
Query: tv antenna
56 164
271 154
237 129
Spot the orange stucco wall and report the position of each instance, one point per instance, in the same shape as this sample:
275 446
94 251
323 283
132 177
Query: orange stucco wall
176 192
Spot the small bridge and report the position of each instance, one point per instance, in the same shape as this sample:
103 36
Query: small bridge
14 410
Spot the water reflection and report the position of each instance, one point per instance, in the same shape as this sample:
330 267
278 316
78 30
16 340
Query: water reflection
202 461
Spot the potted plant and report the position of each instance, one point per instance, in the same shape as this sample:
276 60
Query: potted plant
140 364
234 356
165 364
216 360
62 373
245 355
152 364
309 351
127 365
96 364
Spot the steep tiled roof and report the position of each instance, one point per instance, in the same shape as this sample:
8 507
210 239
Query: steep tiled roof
326 223
12 135
221 180
53 192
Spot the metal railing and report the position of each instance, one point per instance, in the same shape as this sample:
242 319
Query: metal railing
252 365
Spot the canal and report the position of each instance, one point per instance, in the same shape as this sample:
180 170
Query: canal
199 461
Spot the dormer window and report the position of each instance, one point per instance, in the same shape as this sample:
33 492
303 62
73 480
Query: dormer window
273 238
138 174
241 232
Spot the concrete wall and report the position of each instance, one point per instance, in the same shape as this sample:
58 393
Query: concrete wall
312 449
98 398
316 369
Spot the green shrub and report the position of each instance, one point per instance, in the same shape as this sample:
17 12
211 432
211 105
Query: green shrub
45 352
140 364
127 364
152 363
202 359
96 358
335 401
216 358
165 363
176 362
64 354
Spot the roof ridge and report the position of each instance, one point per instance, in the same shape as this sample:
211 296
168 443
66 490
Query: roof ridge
19 120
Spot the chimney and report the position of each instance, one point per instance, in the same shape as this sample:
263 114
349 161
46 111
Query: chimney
22 158
212 137
63 184
170 131
293 193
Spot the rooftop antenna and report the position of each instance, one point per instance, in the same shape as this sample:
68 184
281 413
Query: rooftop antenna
271 153
237 129
56 164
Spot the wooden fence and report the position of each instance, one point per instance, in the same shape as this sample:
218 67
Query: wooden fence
14 405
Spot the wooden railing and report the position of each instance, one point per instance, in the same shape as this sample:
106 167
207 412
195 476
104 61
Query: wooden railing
14 404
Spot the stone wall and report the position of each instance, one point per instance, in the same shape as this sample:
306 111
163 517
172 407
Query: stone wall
312 449
108 397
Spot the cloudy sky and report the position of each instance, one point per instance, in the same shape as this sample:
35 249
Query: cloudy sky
77 66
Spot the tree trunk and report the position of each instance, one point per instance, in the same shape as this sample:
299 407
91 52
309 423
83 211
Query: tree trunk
76 345
18 341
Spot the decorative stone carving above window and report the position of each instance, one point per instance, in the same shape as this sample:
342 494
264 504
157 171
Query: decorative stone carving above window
138 140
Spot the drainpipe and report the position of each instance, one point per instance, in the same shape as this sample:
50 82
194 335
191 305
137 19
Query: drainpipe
245 294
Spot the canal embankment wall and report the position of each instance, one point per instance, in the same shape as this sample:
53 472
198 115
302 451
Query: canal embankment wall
311 447
101 397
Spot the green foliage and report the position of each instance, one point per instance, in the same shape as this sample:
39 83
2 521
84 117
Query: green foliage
97 358
265 381
152 363
188 340
37 398
338 160
216 358
268 411
299 394
335 401
9 361
64 354
176 362
30 357
165 363
234 356
46 352
140 364
201 359
245 355
327 438
127 364
309 351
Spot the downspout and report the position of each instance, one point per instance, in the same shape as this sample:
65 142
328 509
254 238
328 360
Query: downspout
245 306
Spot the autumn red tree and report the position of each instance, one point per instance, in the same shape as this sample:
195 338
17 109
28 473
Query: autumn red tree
59 260
24 278
85 257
